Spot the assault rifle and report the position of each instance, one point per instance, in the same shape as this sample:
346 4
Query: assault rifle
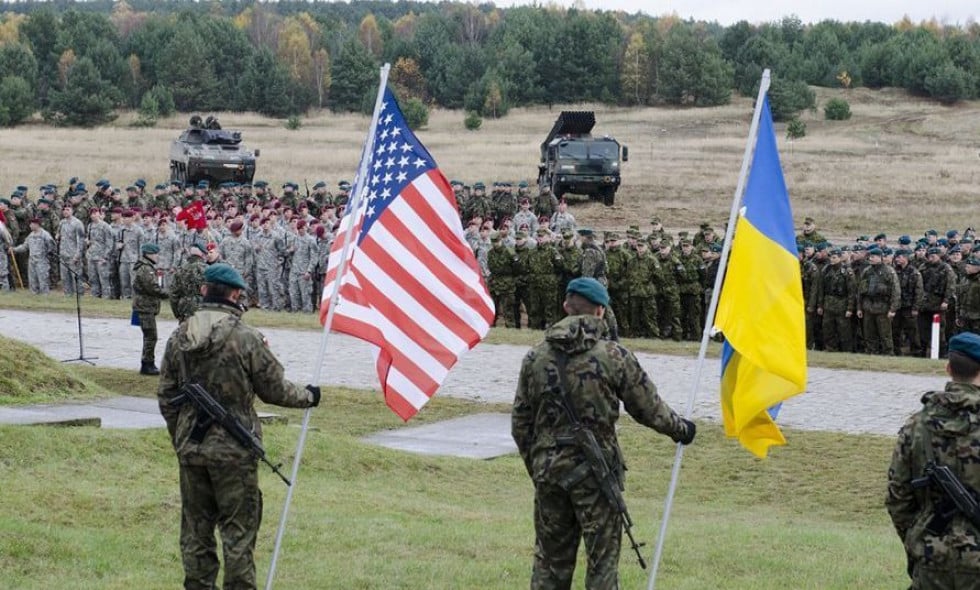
209 411
607 478
956 498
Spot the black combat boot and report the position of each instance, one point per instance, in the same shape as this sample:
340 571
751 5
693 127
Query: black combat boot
149 369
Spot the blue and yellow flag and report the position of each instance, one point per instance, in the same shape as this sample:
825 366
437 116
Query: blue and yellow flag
760 309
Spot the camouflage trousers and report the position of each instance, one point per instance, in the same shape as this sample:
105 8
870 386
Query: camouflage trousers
836 328
98 278
621 301
148 325
561 518
905 329
71 276
669 315
541 297
691 316
270 296
4 268
126 279
503 301
300 292
227 497
643 317
878 334
37 276
938 578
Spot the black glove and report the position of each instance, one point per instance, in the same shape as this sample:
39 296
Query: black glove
690 429
316 397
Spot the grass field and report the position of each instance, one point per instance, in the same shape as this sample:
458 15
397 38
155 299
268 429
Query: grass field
86 508
900 164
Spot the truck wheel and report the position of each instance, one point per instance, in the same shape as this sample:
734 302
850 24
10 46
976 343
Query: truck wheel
608 196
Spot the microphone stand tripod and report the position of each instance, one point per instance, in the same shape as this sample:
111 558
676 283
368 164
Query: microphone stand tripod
78 309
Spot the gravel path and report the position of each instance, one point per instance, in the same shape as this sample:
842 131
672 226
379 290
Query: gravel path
836 400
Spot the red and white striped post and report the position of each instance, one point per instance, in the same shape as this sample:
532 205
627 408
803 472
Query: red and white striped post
934 344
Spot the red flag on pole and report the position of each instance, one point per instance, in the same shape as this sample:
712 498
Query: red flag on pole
410 284
194 216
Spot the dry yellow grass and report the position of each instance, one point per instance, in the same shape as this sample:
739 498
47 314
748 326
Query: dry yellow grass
900 164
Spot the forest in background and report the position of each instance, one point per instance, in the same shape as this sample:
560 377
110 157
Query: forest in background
77 62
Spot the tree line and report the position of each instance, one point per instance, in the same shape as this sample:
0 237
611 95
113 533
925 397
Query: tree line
77 62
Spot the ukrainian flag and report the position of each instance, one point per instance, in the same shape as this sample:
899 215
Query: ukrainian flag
760 309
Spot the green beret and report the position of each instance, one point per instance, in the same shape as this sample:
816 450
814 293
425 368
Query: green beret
863 239
932 232
5 202
966 343
479 185
934 250
150 249
200 246
589 288
874 252
836 252
522 184
881 237
973 261
586 232
905 240
715 247
224 274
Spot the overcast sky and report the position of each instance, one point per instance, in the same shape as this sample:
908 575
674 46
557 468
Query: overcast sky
727 12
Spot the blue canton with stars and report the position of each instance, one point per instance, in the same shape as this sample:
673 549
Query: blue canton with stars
397 159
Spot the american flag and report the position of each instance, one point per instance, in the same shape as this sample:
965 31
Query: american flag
411 285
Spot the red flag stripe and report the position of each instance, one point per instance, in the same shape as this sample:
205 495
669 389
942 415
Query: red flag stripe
380 290
427 291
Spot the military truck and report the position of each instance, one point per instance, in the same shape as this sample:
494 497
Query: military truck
205 151
574 161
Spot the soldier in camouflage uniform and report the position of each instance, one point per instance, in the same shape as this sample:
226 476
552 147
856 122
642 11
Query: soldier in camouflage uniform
501 262
169 251
185 292
571 266
562 220
668 295
147 293
269 249
904 324
617 260
218 476
504 204
301 270
809 272
600 374
478 204
100 243
238 251
546 203
130 239
939 292
641 271
942 552
71 247
879 296
39 244
593 265
544 264
522 274
688 270
835 292
968 297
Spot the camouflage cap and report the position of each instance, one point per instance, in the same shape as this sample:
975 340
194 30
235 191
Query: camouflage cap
225 274
521 235
543 231
966 343
610 235
655 221
590 289
683 234
495 236
809 220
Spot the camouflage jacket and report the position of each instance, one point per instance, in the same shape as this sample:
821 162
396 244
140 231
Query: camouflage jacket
593 263
169 250
948 423
835 289
878 289
910 286
185 292
502 264
968 297
238 252
938 285
641 272
131 237
39 244
688 270
571 260
71 238
100 241
147 291
232 361
544 264
617 259
600 374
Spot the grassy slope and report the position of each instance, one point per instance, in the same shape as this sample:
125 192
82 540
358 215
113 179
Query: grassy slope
89 508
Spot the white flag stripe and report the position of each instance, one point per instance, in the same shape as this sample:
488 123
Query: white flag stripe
438 201
398 340
438 249
421 272
405 388
430 323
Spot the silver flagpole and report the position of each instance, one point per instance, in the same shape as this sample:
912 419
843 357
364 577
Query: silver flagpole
359 190
708 324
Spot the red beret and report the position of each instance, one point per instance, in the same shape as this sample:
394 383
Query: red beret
117 209
320 231
301 224
211 246
235 226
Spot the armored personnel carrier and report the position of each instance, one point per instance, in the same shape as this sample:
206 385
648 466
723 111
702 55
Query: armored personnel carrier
205 151
574 161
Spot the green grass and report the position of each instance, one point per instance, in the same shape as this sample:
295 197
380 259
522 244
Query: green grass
90 508
292 321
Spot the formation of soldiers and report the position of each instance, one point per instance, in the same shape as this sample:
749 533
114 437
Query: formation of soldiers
870 296
89 241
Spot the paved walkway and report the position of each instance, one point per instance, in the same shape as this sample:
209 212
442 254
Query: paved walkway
841 401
